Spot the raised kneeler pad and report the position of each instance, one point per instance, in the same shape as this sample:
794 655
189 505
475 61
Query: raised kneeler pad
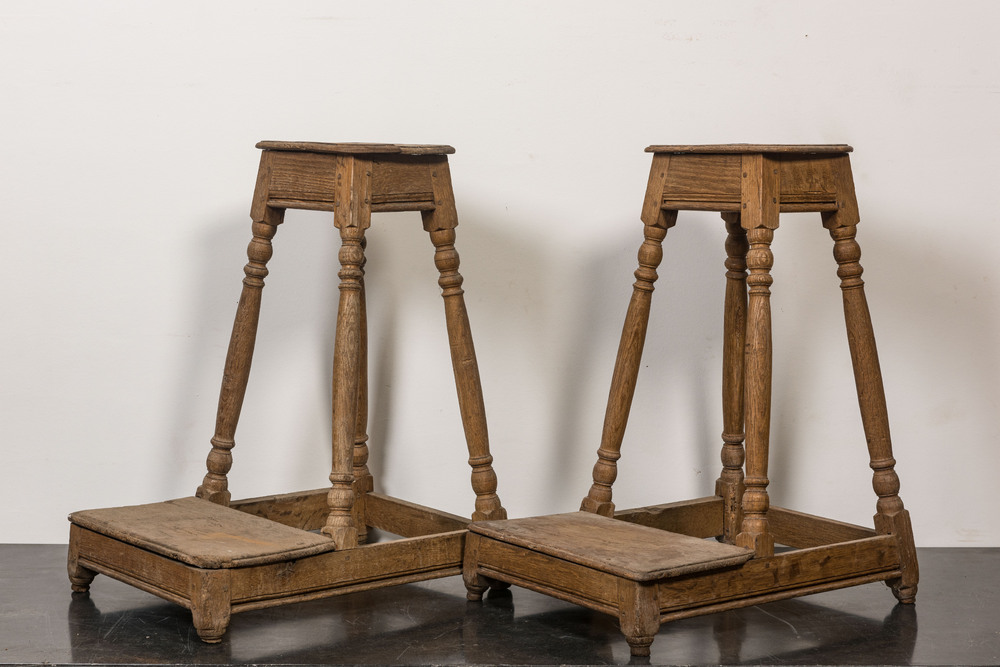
628 550
606 564
202 533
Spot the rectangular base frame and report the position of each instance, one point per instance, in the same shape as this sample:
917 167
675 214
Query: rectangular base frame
431 546
824 555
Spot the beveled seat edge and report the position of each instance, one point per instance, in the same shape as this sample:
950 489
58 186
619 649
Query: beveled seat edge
751 148
351 148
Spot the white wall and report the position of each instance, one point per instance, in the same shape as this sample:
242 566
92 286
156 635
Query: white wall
128 162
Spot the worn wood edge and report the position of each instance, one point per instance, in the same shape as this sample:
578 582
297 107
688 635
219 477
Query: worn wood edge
540 586
401 207
97 522
698 517
381 561
426 575
356 148
774 597
750 148
450 565
407 519
734 206
137 582
538 571
92 545
330 206
801 530
528 535
729 585
403 198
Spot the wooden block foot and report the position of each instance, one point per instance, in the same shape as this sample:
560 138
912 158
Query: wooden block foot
475 590
906 594
639 646
210 604
900 527
638 614
80 577
80 585
210 635
475 585
211 619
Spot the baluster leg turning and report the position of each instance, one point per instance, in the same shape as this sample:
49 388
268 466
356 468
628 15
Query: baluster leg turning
729 486
754 533
363 481
626 372
346 359
467 380
657 221
440 223
760 187
215 486
352 216
891 517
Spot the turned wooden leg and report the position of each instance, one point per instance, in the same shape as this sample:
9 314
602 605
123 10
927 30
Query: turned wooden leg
210 604
340 524
598 499
656 221
760 188
891 517
466 369
729 486
754 533
638 614
440 223
363 481
215 486
80 577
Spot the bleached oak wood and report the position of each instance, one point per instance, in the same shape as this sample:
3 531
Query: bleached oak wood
440 222
305 510
750 184
700 517
216 556
729 486
626 372
801 530
410 519
759 217
891 517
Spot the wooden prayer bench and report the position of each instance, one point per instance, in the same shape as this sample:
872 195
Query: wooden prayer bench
609 560
216 556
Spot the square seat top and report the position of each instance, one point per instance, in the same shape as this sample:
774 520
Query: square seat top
629 550
717 149
202 533
355 148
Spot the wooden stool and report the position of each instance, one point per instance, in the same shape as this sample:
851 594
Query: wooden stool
217 557
749 185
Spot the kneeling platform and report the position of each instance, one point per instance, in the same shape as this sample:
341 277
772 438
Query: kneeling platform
651 565
217 560
605 564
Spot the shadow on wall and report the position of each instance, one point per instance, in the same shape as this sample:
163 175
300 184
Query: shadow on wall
936 346
300 275
675 418
546 325
290 382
